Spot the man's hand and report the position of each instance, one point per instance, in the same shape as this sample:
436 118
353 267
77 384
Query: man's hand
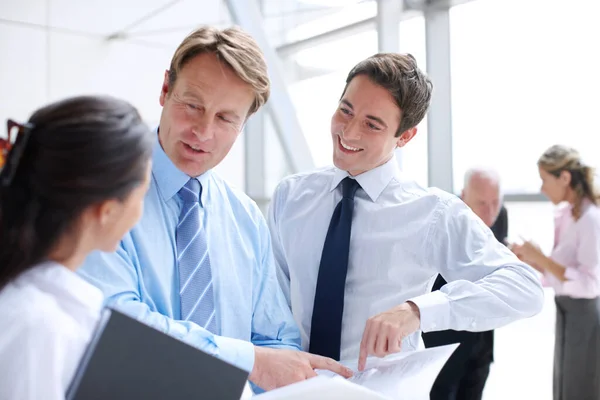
274 368
384 332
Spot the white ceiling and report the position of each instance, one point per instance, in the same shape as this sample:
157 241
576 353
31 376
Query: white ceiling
160 23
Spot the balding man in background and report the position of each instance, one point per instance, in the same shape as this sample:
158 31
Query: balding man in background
464 375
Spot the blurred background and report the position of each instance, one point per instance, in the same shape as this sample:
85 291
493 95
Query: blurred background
511 77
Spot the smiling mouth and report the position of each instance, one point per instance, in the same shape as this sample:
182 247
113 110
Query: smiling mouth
348 148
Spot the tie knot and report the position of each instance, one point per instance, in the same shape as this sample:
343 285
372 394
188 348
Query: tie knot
190 192
349 188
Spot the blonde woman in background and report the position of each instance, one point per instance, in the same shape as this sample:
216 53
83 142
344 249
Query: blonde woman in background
573 270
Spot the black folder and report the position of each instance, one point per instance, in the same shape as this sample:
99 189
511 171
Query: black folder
127 359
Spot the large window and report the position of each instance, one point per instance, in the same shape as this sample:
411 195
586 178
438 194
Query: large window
414 154
316 98
531 221
524 77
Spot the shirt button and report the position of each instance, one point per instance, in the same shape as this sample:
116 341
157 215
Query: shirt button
473 324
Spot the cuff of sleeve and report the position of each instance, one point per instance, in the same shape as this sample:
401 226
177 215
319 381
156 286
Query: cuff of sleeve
235 351
434 308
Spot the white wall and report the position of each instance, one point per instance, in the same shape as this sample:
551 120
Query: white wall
39 66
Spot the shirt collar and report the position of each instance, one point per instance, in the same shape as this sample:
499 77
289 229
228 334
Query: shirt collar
374 181
171 179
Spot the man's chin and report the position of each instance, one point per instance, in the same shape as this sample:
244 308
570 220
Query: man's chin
191 168
337 162
341 164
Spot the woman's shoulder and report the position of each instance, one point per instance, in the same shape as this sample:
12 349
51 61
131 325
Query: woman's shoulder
590 216
28 308
39 340
25 308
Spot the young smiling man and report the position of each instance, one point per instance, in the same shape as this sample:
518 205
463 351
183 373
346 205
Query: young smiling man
357 245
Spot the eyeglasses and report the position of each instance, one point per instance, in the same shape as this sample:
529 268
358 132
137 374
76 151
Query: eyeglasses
11 149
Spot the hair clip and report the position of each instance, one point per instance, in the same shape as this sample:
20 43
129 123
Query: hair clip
11 149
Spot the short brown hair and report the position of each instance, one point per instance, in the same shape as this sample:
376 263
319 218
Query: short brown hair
400 75
559 158
235 48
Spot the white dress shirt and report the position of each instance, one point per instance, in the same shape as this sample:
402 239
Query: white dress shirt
402 236
47 315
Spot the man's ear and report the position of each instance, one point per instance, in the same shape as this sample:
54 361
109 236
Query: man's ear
406 136
164 91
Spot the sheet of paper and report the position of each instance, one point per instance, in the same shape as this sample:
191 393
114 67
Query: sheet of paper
405 376
321 387
247 393
402 376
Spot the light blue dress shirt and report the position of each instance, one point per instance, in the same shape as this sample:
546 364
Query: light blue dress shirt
142 280
403 235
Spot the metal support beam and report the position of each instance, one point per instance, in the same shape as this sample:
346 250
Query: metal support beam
246 13
388 25
289 49
255 160
411 9
389 13
439 121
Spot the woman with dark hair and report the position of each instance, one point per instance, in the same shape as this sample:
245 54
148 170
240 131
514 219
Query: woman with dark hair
573 270
72 180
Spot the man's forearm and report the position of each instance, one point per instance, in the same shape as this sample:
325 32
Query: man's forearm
235 351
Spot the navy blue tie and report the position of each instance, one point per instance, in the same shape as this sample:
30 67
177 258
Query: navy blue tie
328 308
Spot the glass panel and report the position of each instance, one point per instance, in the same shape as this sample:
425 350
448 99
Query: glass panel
414 154
532 221
316 98
524 77
531 376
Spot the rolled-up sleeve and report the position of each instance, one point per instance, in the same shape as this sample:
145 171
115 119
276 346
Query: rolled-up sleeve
488 286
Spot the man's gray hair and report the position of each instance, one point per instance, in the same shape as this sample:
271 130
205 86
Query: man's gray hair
484 172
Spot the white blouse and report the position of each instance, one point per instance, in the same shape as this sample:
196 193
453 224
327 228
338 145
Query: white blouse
47 315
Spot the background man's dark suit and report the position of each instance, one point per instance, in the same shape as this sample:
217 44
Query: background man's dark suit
464 375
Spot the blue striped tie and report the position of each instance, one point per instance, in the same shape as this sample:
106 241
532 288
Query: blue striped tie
195 278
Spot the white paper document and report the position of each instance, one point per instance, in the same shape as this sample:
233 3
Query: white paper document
321 387
247 393
402 376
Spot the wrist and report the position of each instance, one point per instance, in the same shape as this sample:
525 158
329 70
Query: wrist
414 309
256 369
540 260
